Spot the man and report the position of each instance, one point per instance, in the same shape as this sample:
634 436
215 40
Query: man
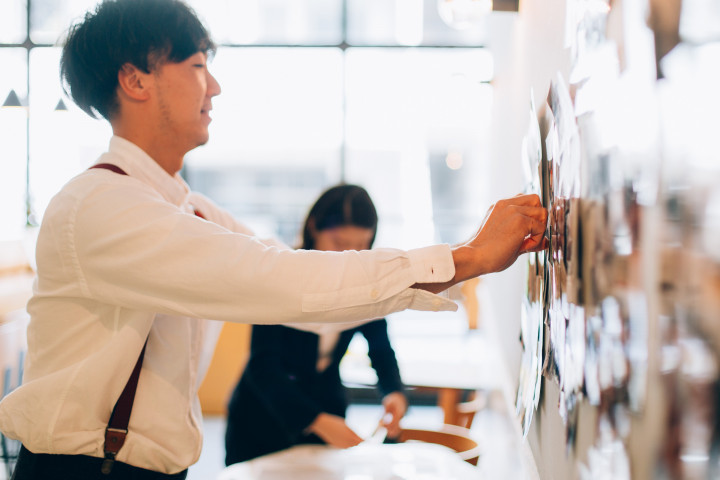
127 254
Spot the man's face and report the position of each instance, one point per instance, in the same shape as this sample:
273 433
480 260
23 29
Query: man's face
184 100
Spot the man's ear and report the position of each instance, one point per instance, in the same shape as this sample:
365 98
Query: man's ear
134 83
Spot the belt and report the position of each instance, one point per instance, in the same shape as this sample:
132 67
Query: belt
41 466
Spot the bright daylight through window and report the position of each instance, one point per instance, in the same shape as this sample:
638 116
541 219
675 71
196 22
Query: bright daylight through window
376 92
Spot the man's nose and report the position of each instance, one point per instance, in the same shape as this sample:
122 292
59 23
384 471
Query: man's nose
213 86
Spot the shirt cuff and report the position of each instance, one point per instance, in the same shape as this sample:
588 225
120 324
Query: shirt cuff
432 264
430 302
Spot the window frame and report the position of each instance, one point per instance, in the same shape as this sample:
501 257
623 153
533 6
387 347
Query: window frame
344 45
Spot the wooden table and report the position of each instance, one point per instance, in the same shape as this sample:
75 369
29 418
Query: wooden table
448 367
450 382
367 461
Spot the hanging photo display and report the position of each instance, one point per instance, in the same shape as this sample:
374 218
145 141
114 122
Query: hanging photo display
628 169
534 304
593 315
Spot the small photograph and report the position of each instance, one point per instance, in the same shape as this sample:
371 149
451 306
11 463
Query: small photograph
567 181
575 348
593 328
608 457
549 150
530 378
532 153
589 19
574 251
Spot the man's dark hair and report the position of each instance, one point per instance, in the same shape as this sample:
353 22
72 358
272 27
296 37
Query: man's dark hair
140 32
340 206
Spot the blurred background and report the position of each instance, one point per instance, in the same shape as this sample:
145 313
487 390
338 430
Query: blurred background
426 105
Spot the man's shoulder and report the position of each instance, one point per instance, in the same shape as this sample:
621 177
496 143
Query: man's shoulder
94 180
99 186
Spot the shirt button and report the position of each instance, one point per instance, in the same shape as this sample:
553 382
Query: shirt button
374 294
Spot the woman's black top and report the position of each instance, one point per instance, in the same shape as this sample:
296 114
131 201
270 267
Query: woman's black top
281 392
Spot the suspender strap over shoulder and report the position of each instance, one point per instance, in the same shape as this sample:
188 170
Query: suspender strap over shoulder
109 166
117 428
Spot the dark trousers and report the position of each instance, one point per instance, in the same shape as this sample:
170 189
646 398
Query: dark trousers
42 466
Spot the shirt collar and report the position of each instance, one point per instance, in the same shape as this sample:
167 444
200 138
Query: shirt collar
138 164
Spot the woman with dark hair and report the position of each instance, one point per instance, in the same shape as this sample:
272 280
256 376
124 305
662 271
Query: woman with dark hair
290 392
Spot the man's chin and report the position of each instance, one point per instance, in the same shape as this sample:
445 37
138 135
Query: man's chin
203 139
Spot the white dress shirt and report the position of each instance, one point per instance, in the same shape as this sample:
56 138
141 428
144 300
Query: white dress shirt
120 257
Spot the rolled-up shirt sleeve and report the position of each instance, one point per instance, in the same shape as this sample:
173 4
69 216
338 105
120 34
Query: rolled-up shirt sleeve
149 255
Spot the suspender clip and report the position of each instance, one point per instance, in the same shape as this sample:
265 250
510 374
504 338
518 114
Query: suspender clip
108 463
114 439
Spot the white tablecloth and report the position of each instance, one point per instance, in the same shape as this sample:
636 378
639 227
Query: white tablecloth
367 461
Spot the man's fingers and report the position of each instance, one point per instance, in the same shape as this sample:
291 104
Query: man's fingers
537 213
535 243
535 236
528 200
535 222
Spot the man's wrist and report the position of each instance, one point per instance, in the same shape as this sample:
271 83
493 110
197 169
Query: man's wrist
468 263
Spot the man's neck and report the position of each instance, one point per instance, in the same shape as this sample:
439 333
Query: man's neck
165 152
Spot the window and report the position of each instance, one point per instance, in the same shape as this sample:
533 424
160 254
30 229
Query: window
62 142
343 99
404 22
276 134
272 22
376 92
49 19
417 122
13 145
13 22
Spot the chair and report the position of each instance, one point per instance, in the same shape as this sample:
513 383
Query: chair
13 347
465 411
452 436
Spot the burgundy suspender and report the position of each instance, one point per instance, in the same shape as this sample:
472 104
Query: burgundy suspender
117 428
109 166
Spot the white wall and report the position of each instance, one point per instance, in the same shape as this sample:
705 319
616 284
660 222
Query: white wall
529 50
